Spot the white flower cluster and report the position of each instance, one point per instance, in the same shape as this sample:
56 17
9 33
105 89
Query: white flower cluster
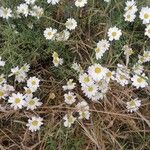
136 76
145 17
20 100
102 47
27 8
130 15
130 11
81 108
52 34
94 83
56 60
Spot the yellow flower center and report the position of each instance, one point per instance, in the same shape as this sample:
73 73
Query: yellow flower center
132 103
5 12
148 30
146 55
109 74
28 91
55 61
69 98
70 119
1 93
17 100
34 123
86 79
122 77
97 50
97 70
128 16
146 16
55 55
114 34
90 89
33 82
83 114
139 79
31 102
49 33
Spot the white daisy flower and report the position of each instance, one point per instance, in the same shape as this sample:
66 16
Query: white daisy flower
2 63
33 83
69 120
98 96
141 59
127 50
97 72
145 15
77 67
56 60
146 56
3 94
53 2
50 33
109 75
70 85
139 81
30 1
32 103
83 110
129 16
122 75
102 47
122 79
63 35
20 74
8 89
70 98
14 71
114 33
138 68
17 100
104 44
5 13
25 68
90 91
131 7
80 3
85 79
36 11
133 105
21 77
71 24
103 86
147 31
82 106
28 91
23 9
34 123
